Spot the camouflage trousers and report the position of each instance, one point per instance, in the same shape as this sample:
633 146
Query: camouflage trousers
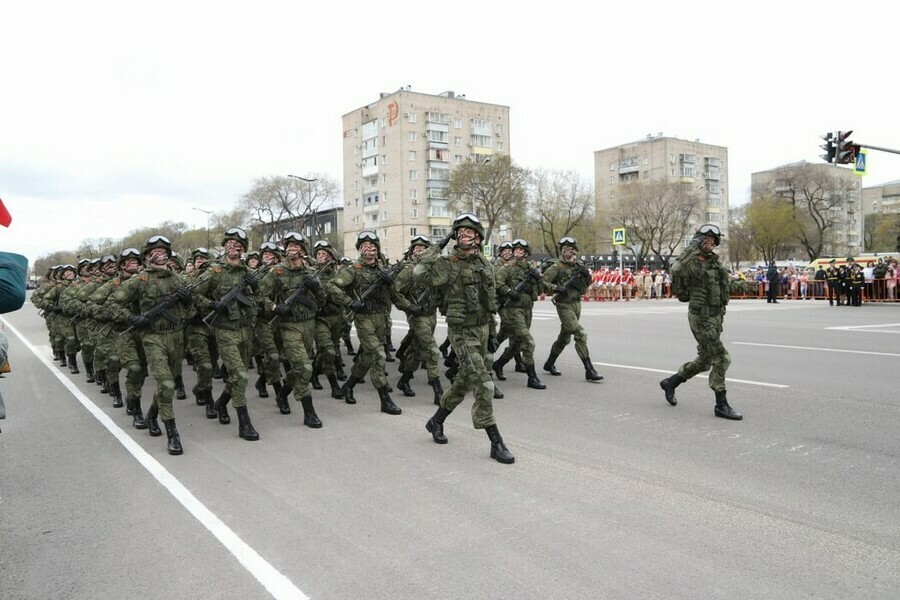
518 326
234 349
297 344
371 332
569 315
88 341
328 338
200 338
104 348
65 335
164 351
711 353
133 360
267 338
422 350
470 346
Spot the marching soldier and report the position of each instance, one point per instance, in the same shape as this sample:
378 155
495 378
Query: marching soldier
67 323
106 354
329 320
268 361
201 342
465 283
568 279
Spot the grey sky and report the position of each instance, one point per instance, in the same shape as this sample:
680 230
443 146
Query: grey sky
115 116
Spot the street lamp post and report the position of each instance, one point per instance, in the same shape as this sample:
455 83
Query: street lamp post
208 212
309 183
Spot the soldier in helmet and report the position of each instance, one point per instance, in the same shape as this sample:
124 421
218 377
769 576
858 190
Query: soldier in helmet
329 320
106 354
707 282
419 347
349 288
226 297
268 360
102 344
568 279
518 304
162 335
464 281
201 341
67 303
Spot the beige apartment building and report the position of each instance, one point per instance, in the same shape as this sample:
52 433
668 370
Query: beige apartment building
838 188
399 152
884 198
662 158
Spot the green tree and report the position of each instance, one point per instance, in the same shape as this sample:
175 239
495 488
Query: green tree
740 239
770 226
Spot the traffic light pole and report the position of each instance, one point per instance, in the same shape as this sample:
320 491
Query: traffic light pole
868 147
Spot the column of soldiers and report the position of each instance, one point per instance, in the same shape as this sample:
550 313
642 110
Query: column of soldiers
286 310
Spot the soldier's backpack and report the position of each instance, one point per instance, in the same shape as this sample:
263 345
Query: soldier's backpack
680 287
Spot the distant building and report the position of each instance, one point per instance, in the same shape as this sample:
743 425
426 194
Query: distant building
399 152
843 191
669 159
884 198
324 223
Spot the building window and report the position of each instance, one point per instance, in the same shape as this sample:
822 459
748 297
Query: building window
383 123
438 232
355 150
499 146
413 175
384 178
457 159
327 228
457 123
457 141
687 171
356 184
412 136
412 155
646 160
413 194
480 124
413 231
384 216
481 141
715 202
499 129
612 180
411 117
414 213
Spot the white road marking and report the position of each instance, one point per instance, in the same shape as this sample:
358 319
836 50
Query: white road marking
869 328
817 349
669 371
276 584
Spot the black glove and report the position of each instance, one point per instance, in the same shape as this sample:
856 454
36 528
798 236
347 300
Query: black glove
560 289
584 271
513 294
56 309
282 309
138 321
493 343
218 306
697 241
414 310
183 293
446 239
356 305
313 283
251 280
534 274
385 278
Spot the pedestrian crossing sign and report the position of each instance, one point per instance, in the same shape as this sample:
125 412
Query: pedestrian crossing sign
859 166
619 237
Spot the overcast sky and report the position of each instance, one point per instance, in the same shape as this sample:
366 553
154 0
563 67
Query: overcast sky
115 116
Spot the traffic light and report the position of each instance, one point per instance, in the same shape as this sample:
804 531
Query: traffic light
828 147
846 150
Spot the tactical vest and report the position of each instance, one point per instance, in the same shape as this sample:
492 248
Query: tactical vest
471 296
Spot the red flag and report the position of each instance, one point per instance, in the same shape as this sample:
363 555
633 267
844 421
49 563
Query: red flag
5 217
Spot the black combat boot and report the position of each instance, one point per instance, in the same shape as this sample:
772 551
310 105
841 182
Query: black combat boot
189 358
281 399
438 389
199 398
336 391
152 424
400 354
314 380
725 411
668 385
349 344
533 381
520 365
116 392
104 382
129 407
498 395
56 355
137 415
387 405
73 365
310 418
179 388
216 370
403 385
435 426
550 365
211 412
387 354
339 369
222 408
259 363
445 348
245 427
62 359
89 372
174 444
348 389
590 373
260 385
499 451
498 367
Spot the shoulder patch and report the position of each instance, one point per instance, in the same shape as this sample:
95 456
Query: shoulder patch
143 277
116 281
454 258
279 271
358 265
217 268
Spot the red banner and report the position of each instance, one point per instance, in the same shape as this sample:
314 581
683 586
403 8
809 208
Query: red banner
5 217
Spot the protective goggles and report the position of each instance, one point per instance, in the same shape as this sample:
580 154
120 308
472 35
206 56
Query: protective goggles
153 239
269 247
322 244
367 235
130 253
568 241
293 236
710 230
466 217
419 240
236 232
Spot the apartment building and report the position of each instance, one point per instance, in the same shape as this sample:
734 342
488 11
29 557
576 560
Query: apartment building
399 153
836 189
704 167
881 199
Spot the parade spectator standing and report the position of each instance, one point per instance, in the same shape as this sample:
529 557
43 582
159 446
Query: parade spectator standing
890 278
773 278
804 284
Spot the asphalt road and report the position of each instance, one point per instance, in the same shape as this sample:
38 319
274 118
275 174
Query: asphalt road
614 493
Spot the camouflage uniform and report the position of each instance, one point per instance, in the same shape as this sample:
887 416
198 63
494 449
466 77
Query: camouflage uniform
707 281
330 322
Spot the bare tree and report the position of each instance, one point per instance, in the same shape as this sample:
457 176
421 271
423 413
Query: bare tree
657 217
495 188
768 221
740 239
559 203
276 201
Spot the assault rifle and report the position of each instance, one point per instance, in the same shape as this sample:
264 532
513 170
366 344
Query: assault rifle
295 295
392 272
161 309
580 272
520 287
236 293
